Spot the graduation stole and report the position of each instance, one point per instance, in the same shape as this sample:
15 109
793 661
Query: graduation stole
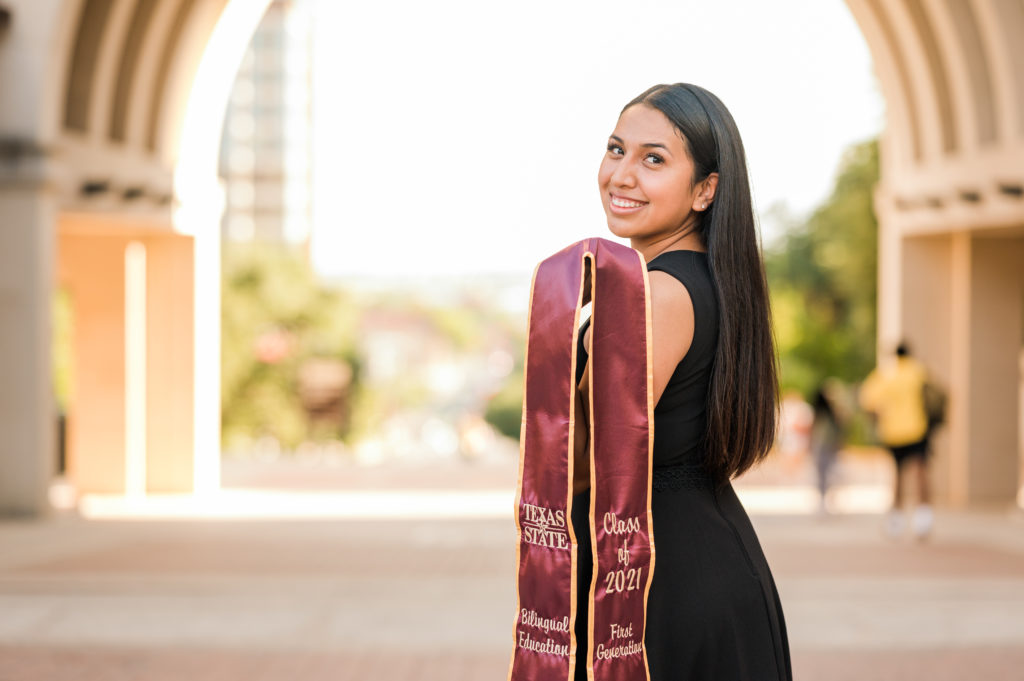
621 441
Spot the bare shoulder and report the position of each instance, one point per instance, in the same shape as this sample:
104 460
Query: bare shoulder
671 326
671 301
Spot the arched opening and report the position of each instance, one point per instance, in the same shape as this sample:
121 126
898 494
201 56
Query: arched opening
137 247
951 220
91 154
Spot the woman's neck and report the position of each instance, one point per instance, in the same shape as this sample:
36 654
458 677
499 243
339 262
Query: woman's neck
686 241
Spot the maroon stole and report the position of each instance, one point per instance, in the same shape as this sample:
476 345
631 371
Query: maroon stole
621 446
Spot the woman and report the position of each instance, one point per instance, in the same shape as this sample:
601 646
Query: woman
674 182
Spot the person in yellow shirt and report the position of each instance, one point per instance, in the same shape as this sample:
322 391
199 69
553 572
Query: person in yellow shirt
894 394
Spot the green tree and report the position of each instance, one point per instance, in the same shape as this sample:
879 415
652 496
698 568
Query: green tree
823 279
276 316
505 410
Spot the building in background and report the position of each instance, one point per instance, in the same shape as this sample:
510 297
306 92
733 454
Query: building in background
266 145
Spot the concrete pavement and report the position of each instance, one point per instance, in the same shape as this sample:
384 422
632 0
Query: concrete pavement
432 598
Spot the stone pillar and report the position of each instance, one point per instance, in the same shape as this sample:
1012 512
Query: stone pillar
130 420
92 270
890 279
996 332
960 398
170 361
926 288
962 300
27 409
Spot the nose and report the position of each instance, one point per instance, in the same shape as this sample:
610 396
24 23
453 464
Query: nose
623 174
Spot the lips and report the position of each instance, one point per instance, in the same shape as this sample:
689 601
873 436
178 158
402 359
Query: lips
621 204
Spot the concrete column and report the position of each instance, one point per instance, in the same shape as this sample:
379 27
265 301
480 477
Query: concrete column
27 409
926 288
130 420
92 270
207 345
170 352
890 279
960 386
1020 415
200 205
962 300
996 332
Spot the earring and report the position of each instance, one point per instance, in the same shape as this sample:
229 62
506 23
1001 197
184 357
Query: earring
703 206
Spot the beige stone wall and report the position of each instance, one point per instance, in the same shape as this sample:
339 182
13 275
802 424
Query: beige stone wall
997 296
962 303
170 360
92 270
27 408
926 292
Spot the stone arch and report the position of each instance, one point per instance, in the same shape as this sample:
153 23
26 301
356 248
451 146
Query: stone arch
950 206
122 74
88 154
114 125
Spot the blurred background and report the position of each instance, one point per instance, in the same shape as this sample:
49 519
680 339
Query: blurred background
264 270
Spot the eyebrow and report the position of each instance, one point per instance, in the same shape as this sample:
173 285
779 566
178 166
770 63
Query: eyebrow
646 145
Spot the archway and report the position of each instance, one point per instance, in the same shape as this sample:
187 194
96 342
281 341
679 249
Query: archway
116 95
112 90
950 206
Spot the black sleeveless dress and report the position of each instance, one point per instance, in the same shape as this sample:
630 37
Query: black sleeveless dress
713 613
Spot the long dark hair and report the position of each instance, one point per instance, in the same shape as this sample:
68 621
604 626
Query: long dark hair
744 392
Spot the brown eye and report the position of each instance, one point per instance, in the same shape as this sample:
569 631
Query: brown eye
615 149
654 158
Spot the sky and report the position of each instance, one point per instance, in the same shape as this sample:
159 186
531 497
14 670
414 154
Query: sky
460 137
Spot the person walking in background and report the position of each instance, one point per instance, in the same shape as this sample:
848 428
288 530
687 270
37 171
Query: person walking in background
894 395
826 436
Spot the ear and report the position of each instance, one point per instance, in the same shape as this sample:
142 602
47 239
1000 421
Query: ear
705 192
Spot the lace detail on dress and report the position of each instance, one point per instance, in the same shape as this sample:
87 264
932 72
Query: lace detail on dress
682 476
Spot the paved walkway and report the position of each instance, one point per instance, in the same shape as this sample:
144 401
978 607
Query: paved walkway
432 598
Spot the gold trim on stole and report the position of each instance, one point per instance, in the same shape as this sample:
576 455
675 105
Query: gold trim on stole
573 544
593 480
519 481
649 323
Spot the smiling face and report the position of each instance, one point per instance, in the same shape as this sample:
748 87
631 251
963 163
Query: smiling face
647 184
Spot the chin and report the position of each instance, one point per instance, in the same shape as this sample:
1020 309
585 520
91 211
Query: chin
620 230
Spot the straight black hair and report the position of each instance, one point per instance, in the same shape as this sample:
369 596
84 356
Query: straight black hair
744 391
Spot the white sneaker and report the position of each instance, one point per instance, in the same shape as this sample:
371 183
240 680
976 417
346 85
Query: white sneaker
894 524
923 521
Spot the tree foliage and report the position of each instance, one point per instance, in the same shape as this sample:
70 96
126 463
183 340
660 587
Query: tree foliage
823 280
276 316
505 410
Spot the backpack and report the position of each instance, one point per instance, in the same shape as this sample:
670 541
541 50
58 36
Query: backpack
935 400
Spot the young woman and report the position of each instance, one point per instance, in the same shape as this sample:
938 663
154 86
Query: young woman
674 182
